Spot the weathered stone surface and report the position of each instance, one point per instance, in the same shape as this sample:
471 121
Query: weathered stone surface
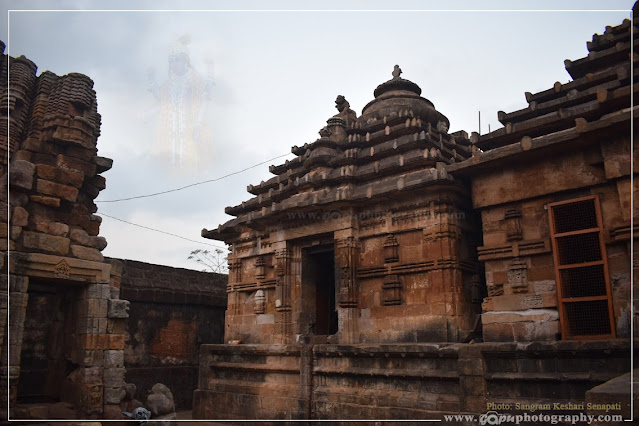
118 308
103 164
520 302
21 175
80 236
59 175
47 201
96 291
19 217
114 395
114 378
537 315
64 192
45 242
17 199
171 310
52 228
74 164
114 358
87 253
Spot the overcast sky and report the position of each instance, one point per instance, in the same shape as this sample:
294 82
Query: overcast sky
276 74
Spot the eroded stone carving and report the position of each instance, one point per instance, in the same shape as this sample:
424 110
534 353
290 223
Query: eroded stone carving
518 277
259 306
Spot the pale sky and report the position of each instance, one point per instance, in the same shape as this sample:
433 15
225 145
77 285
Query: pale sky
277 72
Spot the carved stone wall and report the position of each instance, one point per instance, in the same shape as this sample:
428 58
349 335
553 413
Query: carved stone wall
53 249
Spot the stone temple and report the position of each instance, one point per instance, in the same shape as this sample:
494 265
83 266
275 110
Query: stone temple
394 269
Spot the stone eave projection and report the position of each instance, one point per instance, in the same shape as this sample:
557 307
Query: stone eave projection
600 91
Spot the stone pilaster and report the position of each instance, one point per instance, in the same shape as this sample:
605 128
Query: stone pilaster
346 260
18 299
283 258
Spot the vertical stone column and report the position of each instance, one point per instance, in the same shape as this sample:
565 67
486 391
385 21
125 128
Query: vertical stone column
283 320
346 260
18 299
235 277
114 371
295 275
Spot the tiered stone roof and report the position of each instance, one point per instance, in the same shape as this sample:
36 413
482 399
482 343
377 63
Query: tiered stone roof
601 86
400 143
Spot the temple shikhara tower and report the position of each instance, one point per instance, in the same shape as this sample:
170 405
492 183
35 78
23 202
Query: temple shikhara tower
394 269
66 322
362 238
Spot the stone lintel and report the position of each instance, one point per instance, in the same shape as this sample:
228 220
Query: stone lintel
59 267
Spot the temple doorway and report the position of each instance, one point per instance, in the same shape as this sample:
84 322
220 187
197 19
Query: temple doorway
49 330
318 276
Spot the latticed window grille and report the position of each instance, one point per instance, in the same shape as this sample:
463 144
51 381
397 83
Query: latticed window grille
581 269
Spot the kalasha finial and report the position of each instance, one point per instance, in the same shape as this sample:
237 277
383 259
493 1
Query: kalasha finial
396 72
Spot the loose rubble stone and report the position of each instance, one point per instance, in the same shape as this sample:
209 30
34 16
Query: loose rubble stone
160 401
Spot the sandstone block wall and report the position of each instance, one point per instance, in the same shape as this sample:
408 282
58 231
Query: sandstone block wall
397 381
407 274
517 251
61 297
173 311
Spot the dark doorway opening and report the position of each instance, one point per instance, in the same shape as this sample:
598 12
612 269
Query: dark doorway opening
318 274
49 330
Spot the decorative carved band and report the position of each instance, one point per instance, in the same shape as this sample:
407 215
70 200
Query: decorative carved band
516 249
58 267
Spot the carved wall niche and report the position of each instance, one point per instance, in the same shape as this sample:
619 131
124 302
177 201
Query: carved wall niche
391 249
260 268
392 290
259 304
518 276
512 216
